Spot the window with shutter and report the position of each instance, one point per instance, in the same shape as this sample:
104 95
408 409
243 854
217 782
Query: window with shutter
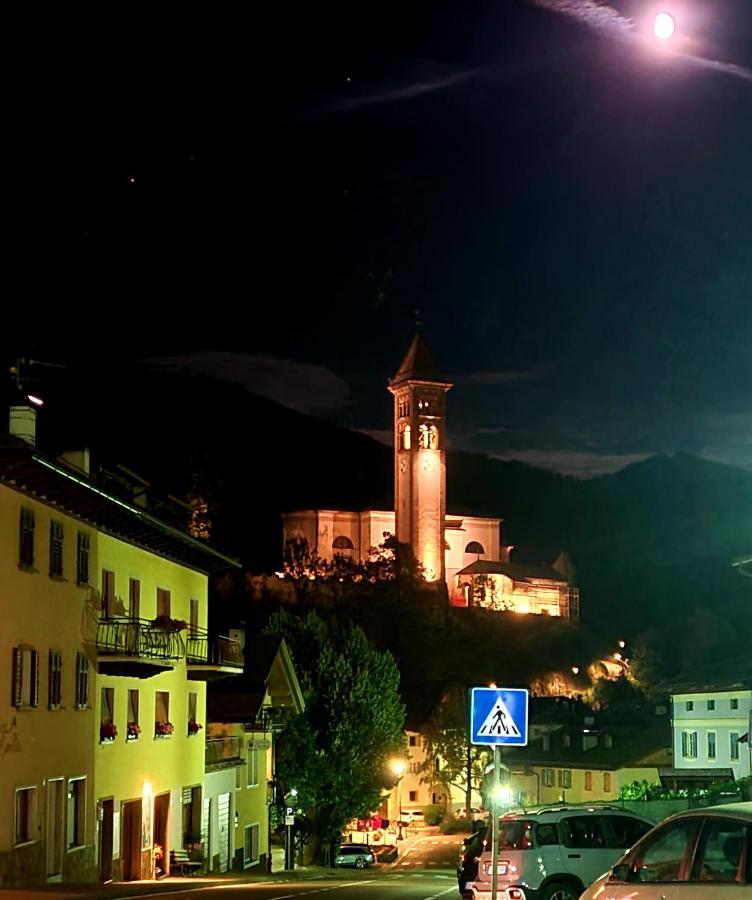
56 549
134 598
25 684
82 681
26 539
55 679
108 593
163 602
82 558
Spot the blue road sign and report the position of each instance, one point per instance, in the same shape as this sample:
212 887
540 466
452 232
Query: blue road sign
499 716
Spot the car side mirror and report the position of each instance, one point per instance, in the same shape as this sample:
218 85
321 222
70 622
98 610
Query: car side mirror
619 873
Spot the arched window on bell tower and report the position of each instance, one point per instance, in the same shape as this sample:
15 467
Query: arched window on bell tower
404 437
423 437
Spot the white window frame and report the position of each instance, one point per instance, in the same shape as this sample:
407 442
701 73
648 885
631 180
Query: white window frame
689 744
715 744
734 746
247 862
71 848
253 752
33 828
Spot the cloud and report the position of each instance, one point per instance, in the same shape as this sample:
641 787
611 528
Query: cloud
510 376
606 20
382 435
305 387
574 462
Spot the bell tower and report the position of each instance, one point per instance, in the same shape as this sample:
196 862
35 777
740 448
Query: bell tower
419 393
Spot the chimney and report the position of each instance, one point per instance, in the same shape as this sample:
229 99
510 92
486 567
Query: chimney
78 459
23 423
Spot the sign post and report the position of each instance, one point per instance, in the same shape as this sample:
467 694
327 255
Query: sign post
498 716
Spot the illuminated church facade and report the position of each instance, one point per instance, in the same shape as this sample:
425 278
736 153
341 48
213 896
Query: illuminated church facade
464 551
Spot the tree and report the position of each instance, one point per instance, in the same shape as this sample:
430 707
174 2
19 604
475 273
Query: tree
336 752
447 738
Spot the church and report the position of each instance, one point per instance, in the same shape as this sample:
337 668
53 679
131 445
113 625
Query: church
464 551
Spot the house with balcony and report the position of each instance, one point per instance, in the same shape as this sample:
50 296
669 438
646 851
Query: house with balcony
711 723
106 607
240 785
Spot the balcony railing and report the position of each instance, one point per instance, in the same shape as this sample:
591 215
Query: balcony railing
138 638
200 649
223 752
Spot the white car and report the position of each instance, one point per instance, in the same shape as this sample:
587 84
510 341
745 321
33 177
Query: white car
554 854
475 813
702 854
408 816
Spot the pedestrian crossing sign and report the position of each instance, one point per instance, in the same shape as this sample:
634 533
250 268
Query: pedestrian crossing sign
499 716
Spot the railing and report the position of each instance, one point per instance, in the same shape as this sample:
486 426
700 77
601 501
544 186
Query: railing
266 720
223 751
218 651
138 638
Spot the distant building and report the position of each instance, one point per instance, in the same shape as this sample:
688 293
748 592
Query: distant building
464 551
711 724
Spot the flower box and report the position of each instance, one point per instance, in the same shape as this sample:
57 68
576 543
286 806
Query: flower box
163 729
168 624
107 732
134 730
194 727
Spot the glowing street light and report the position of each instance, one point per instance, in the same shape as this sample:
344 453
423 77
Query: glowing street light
503 795
399 767
664 26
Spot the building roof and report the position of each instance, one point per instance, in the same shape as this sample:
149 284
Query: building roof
631 743
418 364
23 468
268 668
515 571
708 687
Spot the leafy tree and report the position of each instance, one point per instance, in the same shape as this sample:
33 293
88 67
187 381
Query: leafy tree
336 752
447 738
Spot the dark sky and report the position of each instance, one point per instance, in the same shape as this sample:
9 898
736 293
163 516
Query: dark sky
269 196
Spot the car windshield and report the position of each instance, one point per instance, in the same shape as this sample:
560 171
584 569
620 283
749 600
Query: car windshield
515 834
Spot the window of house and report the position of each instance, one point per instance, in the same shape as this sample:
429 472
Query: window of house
689 705
546 742
567 740
689 744
239 777
26 538
734 703
134 729
607 782
565 778
192 712
251 845
711 744
253 768
82 681
56 549
82 558
76 818
437 765
711 704
134 598
588 781
163 602
26 815
474 547
108 593
413 796
608 741
162 724
107 729
415 768
734 745
413 740
25 677
548 777
55 680
194 616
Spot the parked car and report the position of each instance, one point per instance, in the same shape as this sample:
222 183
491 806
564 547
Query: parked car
475 813
702 854
408 816
358 855
554 854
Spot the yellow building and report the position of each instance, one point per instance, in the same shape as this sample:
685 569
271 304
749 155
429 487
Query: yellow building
105 611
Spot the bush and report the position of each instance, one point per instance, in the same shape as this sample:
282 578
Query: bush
452 825
433 813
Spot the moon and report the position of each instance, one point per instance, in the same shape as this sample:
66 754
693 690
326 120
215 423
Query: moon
664 26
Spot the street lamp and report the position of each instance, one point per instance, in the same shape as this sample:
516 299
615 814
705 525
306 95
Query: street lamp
664 26
398 767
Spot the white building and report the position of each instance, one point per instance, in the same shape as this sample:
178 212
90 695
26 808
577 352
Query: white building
708 723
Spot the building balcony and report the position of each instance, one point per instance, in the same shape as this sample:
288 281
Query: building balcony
136 648
209 659
223 753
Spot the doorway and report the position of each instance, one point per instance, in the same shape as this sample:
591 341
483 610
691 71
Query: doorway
161 832
106 835
55 828
131 840
223 831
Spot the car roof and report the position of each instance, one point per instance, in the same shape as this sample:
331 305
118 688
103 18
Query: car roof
556 813
725 810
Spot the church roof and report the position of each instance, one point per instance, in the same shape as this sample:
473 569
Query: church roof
418 364
515 571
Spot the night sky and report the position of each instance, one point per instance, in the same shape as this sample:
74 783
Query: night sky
269 197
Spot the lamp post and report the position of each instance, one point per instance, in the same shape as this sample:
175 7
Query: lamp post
398 767
289 830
